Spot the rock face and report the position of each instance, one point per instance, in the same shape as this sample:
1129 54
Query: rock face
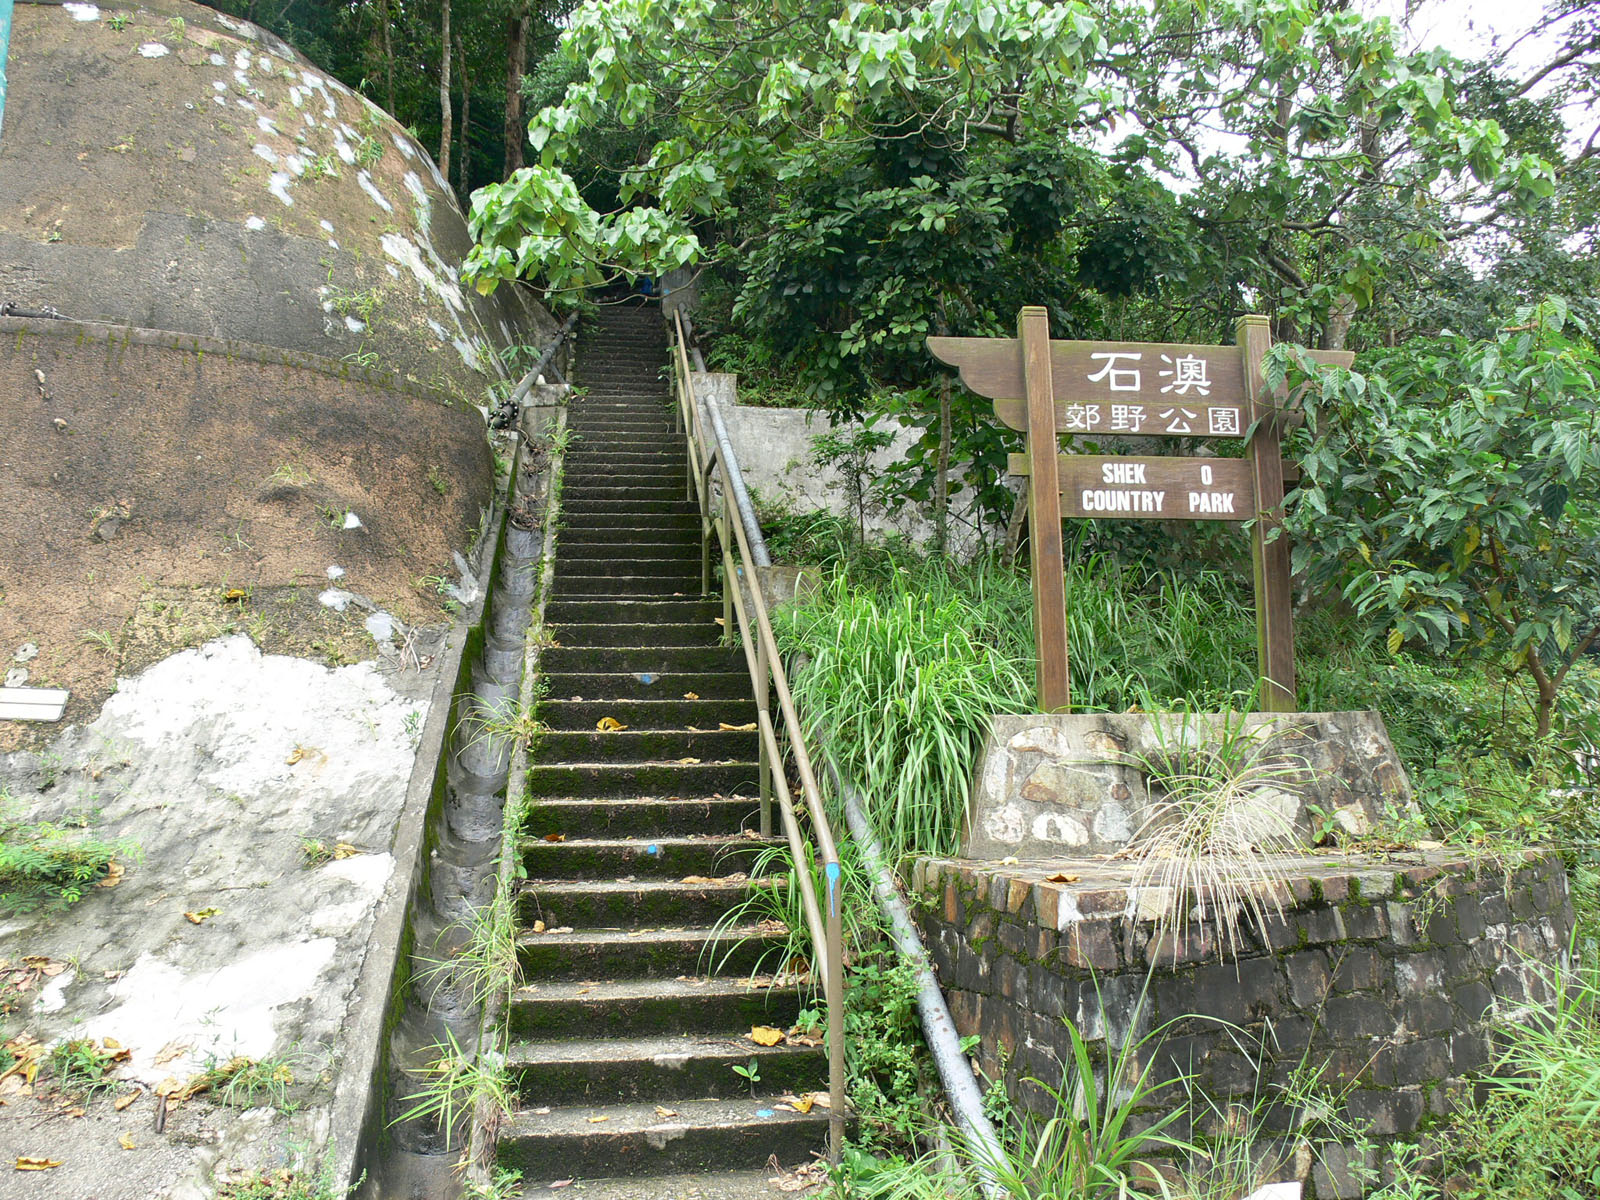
1076 784
172 168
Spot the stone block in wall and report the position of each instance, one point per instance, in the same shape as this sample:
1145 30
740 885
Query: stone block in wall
1078 784
1399 1025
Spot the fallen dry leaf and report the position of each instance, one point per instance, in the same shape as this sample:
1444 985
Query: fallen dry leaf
123 1101
555 837
609 725
803 1104
46 966
231 596
665 1112
560 929
558 1183
765 1035
169 1052
1058 877
748 727
344 850
541 1112
201 916
538 926
597 1120
111 1043
691 696
38 1164
719 620
698 880
687 762
295 755
114 874
126 1141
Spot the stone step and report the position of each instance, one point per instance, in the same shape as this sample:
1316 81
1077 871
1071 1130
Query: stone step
620 511
624 686
682 574
586 818
636 1140
603 780
641 660
645 953
597 524
631 612
612 634
643 544
637 746
659 1068
578 491
629 903
632 1007
648 714
663 858
636 586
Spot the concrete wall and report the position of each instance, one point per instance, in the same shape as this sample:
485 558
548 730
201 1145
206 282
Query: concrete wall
773 446
1388 971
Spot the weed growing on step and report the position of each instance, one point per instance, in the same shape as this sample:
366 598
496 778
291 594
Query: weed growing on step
44 867
82 1068
486 963
244 1082
750 1074
454 1083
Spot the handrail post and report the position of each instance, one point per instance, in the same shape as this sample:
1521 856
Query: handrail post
763 687
834 986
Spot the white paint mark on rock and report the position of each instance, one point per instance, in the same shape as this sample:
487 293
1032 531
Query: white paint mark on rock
216 60
219 85
469 353
402 145
296 164
405 252
54 996
239 27
254 224
82 12
241 60
353 324
225 1011
438 329
335 598
266 153
381 626
278 185
351 521
154 50
327 226
335 572
378 198
267 125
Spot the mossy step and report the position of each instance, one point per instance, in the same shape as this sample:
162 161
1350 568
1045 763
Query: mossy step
636 1140
662 1067
633 817
648 714
699 633
631 1007
601 779
619 686
647 746
630 902
632 612
643 660
645 953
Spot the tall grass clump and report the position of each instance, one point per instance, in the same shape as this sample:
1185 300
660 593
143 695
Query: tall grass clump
908 664
902 682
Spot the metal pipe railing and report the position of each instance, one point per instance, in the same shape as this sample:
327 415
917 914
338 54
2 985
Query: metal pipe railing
710 457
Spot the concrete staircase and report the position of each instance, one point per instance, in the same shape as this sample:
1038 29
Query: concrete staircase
637 1003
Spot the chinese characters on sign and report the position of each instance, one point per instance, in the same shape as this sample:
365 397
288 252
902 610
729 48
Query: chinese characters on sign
1213 420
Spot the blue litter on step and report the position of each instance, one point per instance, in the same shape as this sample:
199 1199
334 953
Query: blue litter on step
764 1113
645 677
652 849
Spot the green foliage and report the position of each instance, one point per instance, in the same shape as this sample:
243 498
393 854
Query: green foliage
884 1051
451 1084
1535 1134
82 1068
43 866
1453 494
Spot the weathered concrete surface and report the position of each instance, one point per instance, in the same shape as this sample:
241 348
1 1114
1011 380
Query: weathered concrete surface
773 446
144 476
217 763
1075 784
1389 973
187 171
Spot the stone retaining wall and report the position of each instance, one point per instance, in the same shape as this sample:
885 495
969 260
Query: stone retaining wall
1385 972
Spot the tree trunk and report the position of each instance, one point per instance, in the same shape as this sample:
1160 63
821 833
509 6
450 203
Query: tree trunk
1337 329
516 61
445 131
388 56
466 121
941 478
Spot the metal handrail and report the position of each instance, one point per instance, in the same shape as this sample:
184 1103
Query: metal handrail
768 678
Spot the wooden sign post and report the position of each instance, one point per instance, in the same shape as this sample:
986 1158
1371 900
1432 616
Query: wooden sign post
1048 388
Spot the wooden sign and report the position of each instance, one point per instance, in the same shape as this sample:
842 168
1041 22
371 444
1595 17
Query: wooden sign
1152 489
1142 389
